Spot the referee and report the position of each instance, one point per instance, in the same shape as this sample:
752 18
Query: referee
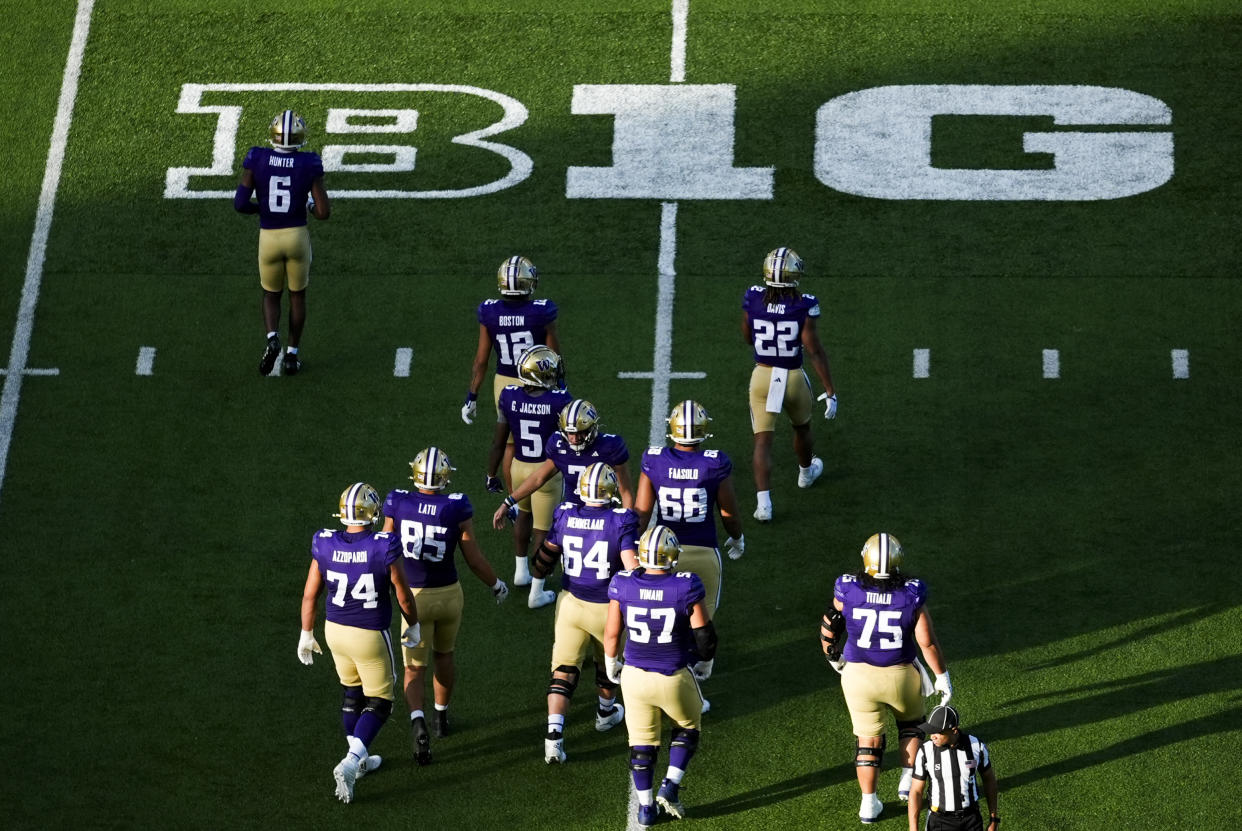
950 760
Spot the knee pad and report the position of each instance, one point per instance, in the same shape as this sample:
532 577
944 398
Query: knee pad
564 686
353 700
643 757
380 707
869 757
601 679
681 737
909 730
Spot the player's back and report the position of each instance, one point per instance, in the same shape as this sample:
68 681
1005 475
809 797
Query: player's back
429 528
282 183
879 622
532 419
591 539
355 570
685 484
776 327
655 609
515 325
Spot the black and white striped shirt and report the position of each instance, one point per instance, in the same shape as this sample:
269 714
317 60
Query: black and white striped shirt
951 772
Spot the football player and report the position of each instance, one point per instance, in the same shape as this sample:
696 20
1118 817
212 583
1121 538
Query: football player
576 444
593 540
529 414
779 323
289 184
358 564
667 627
431 525
869 633
685 486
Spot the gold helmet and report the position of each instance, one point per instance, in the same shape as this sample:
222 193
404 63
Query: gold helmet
782 268
597 485
882 556
579 424
539 366
688 423
517 277
432 468
658 548
287 131
360 505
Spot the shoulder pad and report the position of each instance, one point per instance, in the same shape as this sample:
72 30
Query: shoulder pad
684 574
810 299
402 491
755 289
626 573
564 506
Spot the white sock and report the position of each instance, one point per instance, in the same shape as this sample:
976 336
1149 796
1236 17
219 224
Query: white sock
674 775
536 585
271 335
357 748
556 723
440 708
765 499
606 704
645 797
521 569
292 350
417 714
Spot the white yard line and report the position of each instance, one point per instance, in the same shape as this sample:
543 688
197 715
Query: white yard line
1052 363
662 364
401 363
681 10
922 363
146 361
24 327
1181 363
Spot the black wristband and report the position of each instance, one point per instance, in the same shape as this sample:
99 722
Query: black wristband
994 819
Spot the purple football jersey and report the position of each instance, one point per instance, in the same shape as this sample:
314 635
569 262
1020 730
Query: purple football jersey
355 571
429 527
608 448
532 419
282 181
880 624
685 484
515 325
655 610
591 539
776 328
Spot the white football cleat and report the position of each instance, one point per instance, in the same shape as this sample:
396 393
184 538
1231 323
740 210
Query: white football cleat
807 477
346 774
538 600
871 807
369 765
903 789
609 720
554 751
707 706
764 513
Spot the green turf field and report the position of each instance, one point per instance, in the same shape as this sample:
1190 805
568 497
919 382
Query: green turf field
1080 535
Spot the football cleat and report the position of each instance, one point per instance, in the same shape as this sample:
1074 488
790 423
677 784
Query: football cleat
658 548
539 599
422 742
608 719
871 808
882 555
647 815
442 724
579 424
688 423
597 485
270 353
369 765
287 131
782 268
290 365
431 468
763 513
668 798
807 477
540 366
346 774
554 748
360 505
517 277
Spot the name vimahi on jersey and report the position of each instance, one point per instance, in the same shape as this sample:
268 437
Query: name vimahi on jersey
659 602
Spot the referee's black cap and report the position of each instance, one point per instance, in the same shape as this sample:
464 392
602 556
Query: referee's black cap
942 720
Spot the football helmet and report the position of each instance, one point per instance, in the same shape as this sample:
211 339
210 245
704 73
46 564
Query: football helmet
882 556
782 268
579 424
688 423
360 505
658 548
598 484
287 131
431 468
539 366
517 277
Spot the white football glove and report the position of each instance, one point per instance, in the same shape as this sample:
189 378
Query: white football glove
310 204
469 410
945 687
612 666
838 664
500 591
703 669
411 636
735 548
306 646
830 405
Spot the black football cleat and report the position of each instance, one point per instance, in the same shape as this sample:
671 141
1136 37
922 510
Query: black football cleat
422 743
270 354
290 365
442 725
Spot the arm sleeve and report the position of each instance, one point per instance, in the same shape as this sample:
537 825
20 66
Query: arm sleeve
705 641
241 201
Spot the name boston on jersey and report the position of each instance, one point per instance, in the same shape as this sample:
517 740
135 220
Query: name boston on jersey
515 327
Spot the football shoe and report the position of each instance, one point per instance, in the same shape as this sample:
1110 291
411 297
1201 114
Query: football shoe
346 774
870 809
807 477
290 365
554 748
422 742
608 719
668 798
270 353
